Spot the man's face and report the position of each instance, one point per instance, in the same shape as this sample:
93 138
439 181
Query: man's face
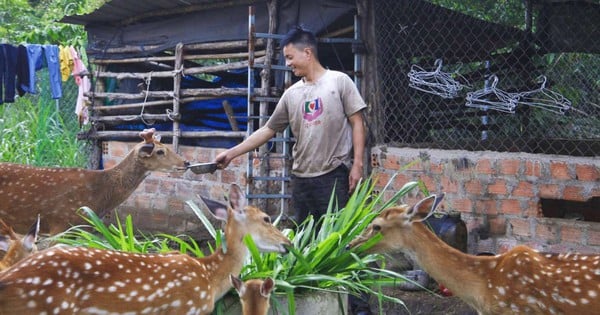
296 58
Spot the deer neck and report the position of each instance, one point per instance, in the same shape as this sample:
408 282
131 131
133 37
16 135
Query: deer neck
126 176
457 271
230 261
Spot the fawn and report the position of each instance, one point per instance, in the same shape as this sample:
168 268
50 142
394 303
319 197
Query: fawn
77 280
520 281
17 247
254 294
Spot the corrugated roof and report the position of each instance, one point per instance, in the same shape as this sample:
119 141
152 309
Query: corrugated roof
119 12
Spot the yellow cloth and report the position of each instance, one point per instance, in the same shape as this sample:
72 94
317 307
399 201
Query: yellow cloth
66 62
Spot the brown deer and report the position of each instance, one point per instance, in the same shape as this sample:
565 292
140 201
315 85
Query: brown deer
520 281
17 247
56 193
254 294
77 280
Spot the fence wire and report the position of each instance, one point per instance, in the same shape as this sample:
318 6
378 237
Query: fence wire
490 75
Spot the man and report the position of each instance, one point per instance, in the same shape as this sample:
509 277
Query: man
324 111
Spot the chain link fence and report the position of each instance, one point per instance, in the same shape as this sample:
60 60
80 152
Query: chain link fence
490 75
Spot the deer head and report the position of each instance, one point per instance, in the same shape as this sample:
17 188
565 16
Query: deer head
155 156
17 247
254 294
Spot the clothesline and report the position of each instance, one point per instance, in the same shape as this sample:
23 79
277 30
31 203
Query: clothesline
19 65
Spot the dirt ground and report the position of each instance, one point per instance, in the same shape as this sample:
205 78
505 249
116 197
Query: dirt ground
422 303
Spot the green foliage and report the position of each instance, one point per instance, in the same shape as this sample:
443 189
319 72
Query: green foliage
36 21
319 260
38 131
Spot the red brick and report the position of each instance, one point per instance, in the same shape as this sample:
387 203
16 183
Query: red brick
390 162
473 187
400 180
559 170
429 182
587 172
533 168
533 209
549 191
381 178
520 227
523 189
546 232
509 167
571 234
484 167
486 206
497 225
573 193
118 149
412 165
462 205
436 168
510 206
151 185
498 187
109 162
449 185
593 238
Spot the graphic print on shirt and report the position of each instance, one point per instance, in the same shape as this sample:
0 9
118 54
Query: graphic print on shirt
312 109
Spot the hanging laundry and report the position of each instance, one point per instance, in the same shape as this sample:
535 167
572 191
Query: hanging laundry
66 62
80 73
8 69
52 62
22 69
34 63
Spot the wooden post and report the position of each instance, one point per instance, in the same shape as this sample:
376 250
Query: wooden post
176 87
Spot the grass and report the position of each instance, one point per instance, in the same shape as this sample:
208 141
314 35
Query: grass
35 130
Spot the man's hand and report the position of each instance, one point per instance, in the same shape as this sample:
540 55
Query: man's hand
354 176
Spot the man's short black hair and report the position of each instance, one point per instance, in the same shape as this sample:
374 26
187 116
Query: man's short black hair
301 38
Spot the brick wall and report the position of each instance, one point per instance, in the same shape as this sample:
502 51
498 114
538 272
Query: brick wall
499 194
159 203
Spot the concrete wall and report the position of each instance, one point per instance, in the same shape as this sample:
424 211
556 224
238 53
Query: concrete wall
498 194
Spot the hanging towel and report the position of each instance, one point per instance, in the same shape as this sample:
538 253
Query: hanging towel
8 69
35 63
66 62
83 82
52 62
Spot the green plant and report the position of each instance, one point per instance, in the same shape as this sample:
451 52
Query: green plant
319 260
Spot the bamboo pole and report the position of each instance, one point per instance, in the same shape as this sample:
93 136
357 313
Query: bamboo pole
113 120
176 90
134 134
106 108
240 55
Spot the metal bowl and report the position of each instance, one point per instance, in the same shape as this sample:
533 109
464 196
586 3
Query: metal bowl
203 168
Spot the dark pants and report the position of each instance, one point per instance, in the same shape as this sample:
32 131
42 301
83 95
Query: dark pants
8 71
311 195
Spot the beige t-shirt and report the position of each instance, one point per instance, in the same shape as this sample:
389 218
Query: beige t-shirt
318 116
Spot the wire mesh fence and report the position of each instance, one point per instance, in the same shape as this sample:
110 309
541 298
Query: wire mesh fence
490 75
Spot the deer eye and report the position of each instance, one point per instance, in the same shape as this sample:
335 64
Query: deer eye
376 228
160 152
267 219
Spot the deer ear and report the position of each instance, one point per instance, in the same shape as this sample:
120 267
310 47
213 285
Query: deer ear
237 198
217 209
424 208
236 283
146 150
4 242
31 236
267 287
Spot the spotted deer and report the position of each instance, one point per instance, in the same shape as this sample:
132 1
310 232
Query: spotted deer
78 280
56 193
520 281
254 294
17 247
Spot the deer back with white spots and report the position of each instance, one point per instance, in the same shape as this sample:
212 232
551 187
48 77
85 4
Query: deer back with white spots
17 247
254 294
520 281
78 280
56 193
